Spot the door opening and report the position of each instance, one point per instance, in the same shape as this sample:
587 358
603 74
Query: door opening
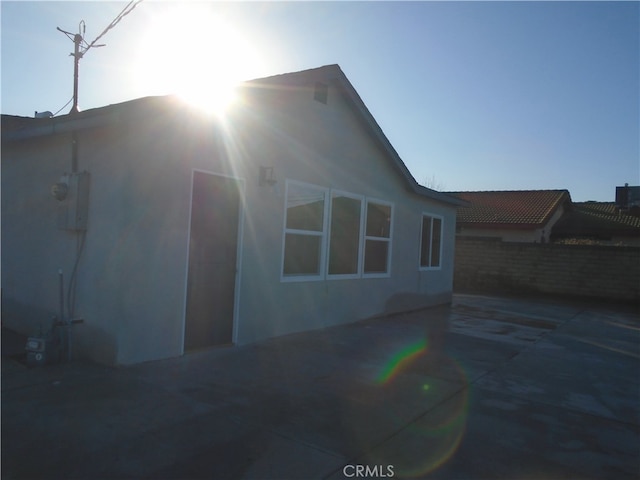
213 252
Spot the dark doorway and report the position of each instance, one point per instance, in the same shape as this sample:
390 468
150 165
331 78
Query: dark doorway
213 246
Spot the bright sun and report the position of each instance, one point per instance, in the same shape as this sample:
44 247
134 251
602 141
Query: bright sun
190 51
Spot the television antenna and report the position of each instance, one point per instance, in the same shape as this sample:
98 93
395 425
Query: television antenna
81 47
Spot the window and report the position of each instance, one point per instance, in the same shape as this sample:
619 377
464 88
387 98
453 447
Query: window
431 242
304 230
335 235
344 236
377 238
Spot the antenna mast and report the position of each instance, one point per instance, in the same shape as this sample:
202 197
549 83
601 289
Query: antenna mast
77 54
77 40
79 50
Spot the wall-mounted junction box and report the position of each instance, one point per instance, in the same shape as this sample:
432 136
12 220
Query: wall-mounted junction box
73 210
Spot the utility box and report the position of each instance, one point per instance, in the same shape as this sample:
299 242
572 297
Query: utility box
39 351
73 193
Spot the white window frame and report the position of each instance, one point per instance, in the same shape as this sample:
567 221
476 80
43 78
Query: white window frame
358 274
432 216
323 234
365 237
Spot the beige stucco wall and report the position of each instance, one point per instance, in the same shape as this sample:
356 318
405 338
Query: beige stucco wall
131 279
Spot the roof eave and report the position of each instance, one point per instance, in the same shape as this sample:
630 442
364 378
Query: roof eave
104 115
439 196
504 226
563 198
59 125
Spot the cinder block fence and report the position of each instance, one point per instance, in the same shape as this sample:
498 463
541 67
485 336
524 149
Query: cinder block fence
603 272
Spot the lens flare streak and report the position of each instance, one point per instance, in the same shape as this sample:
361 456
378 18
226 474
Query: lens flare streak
400 361
442 435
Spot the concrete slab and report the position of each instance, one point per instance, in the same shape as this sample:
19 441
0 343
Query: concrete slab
490 435
67 419
514 389
586 366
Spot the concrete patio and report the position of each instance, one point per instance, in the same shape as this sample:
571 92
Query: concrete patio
514 388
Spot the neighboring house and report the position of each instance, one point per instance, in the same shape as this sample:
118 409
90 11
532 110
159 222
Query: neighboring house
628 199
513 216
599 222
176 231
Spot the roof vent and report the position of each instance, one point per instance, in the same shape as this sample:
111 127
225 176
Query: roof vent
321 92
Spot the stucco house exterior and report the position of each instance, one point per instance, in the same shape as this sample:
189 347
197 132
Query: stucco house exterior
511 215
176 231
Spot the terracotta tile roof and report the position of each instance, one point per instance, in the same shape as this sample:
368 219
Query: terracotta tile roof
517 208
596 219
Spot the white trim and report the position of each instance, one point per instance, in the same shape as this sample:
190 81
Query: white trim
432 216
239 240
365 237
239 243
322 234
311 233
325 236
186 266
358 274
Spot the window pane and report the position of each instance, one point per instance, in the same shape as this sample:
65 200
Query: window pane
302 254
378 220
426 241
344 243
435 244
375 256
305 208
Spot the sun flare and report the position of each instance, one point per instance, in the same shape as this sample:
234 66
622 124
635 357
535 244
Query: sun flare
196 54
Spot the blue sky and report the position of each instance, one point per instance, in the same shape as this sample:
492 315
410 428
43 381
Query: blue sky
473 95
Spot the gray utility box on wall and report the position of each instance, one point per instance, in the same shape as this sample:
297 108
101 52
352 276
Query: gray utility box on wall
40 351
74 207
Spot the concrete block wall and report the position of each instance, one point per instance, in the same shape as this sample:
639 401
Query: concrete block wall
604 272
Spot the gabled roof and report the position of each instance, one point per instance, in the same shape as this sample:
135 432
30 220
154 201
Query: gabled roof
16 128
333 74
526 209
598 220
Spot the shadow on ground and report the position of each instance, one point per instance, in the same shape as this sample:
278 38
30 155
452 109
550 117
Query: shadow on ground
510 389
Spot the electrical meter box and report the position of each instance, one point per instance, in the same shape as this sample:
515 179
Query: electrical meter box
43 349
73 210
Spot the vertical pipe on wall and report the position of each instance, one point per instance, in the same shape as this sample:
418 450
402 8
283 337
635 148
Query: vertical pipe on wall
62 322
61 291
